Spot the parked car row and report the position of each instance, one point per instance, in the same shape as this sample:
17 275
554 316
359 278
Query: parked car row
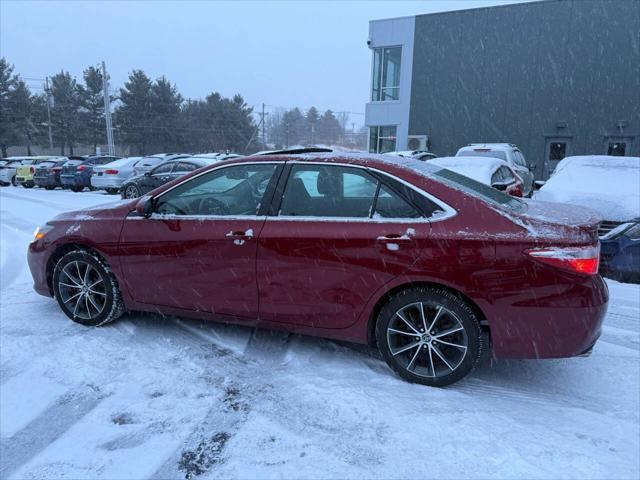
102 172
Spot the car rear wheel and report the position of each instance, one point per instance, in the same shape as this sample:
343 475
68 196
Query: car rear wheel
27 185
112 191
429 336
14 182
49 187
131 191
86 289
77 188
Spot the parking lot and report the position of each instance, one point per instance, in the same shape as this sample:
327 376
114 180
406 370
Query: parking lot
152 397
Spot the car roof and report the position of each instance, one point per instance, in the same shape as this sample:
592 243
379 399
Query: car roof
493 146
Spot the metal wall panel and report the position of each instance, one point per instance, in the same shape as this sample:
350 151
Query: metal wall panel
526 73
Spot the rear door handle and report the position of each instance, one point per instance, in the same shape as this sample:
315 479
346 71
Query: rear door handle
393 237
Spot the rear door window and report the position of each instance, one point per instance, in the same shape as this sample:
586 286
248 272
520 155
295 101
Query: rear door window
163 169
341 192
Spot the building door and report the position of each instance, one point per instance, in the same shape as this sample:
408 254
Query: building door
618 146
555 150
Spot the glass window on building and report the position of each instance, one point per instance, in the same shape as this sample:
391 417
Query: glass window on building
557 150
386 74
617 149
382 139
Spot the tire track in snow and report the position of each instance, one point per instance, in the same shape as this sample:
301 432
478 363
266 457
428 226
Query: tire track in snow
25 444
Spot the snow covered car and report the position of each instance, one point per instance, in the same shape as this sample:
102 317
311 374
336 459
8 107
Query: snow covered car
26 170
424 264
610 185
490 171
417 154
112 175
508 152
47 174
76 173
8 168
147 163
163 173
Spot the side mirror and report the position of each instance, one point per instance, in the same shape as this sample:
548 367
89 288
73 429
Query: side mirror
147 173
144 207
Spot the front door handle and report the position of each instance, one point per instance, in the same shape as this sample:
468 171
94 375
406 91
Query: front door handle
240 234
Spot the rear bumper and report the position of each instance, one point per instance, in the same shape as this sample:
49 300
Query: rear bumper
72 180
22 180
548 331
46 181
106 181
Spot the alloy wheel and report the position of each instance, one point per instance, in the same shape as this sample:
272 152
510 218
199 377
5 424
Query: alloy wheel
131 192
82 290
427 339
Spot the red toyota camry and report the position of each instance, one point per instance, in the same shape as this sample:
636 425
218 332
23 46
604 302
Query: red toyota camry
429 266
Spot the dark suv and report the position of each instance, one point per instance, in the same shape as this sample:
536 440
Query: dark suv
76 173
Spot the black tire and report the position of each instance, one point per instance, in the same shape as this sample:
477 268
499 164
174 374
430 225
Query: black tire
70 272
49 187
130 191
92 189
27 185
425 365
14 182
77 188
112 191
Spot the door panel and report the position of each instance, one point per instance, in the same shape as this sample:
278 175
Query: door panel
322 273
192 263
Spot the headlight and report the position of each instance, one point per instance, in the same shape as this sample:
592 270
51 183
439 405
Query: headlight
634 232
41 232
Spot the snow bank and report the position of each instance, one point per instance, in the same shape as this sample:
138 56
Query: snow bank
608 185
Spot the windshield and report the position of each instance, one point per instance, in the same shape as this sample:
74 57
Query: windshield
482 153
480 190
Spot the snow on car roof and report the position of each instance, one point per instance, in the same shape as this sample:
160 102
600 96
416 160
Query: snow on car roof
609 185
479 168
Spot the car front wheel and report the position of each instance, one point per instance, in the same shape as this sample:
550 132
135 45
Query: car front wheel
429 335
86 289
131 191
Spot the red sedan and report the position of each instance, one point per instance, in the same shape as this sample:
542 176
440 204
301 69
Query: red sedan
429 266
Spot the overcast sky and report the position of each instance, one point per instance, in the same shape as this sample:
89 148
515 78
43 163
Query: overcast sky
292 53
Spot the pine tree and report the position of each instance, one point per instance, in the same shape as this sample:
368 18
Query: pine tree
7 81
92 101
133 116
65 120
165 113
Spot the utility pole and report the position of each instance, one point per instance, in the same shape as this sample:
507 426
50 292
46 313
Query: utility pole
46 90
107 110
262 115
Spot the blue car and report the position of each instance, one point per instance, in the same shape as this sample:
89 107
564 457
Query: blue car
76 173
620 252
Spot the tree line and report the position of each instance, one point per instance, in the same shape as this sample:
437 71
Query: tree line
149 116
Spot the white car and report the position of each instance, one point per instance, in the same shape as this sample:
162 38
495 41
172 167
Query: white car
418 154
488 170
8 168
609 185
112 175
504 151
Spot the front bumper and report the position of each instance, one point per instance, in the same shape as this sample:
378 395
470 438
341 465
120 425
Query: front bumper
37 258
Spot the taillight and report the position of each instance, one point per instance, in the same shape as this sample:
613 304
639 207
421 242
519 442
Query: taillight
111 172
33 170
81 168
575 259
515 190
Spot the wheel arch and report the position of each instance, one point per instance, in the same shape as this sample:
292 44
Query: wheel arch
373 317
62 250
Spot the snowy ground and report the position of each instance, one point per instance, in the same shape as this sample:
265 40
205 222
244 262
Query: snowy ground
148 397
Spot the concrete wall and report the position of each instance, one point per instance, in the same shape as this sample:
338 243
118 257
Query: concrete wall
518 73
